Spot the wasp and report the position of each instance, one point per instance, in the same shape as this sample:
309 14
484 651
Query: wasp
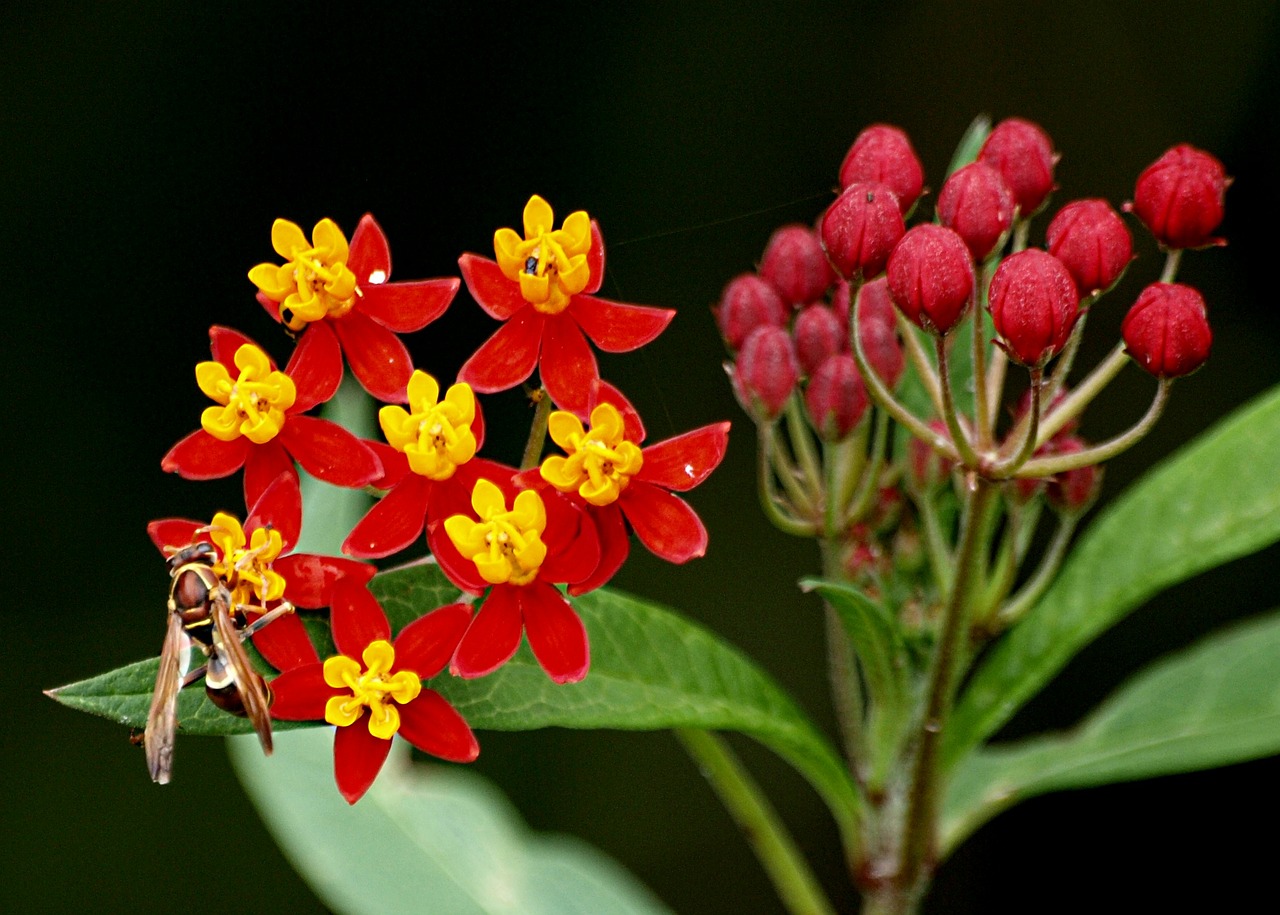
201 613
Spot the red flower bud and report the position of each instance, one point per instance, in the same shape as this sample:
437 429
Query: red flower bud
818 333
883 153
766 372
1167 330
1180 197
1073 491
795 265
931 277
836 397
878 331
1093 243
860 229
1023 153
978 204
1034 305
748 302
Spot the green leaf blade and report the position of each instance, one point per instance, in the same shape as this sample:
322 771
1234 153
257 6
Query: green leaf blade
1213 704
1215 500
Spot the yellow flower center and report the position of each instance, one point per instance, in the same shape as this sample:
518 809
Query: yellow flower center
436 436
373 686
252 405
598 463
550 265
246 562
506 546
314 282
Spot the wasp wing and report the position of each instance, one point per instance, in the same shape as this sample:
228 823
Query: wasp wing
162 718
253 691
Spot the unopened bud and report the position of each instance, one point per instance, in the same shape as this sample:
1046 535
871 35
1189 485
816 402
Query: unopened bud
1073 491
818 333
978 204
860 229
836 398
1180 197
1034 306
1092 242
766 372
1023 153
1167 330
883 153
748 302
931 277
795 265
878 332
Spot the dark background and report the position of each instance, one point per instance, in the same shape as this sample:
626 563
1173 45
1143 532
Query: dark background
148 146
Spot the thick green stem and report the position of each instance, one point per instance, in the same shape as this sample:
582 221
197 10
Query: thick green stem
794 880
538 431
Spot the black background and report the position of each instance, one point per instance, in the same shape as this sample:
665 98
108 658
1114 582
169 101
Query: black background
148 146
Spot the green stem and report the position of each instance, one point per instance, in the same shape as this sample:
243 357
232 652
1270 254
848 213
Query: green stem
983 412
1035 587
869 484
794 880
927 374
538 431
774 508
1171 261
949 414
1082 394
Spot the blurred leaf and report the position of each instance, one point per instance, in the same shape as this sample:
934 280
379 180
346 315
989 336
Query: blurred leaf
1213 704
875 637
1213 501
425 837
970 144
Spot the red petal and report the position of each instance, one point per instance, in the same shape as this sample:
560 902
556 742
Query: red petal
357 758
556 633
315 367
434 726
406 307
426 645
357 618
377 358
369 251
172 534
508 357
264 465
200 456
664 523
279 507
393 523
615 546
568 366
285 644
573 544
453 497
595 260
309 579
329 452
273 308
299 694
615 327
497 295
394 464
603 392
683 462
223 342
493 636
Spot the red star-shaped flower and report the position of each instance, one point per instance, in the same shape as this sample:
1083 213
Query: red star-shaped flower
340 299
541 285
257 422
518 546
605 470
373 689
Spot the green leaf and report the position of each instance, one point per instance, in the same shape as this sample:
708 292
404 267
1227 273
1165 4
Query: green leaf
1213 704
424 837
650 669
970 144
1213 501
875 637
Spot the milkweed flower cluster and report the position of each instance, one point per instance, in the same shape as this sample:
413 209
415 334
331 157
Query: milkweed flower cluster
510 537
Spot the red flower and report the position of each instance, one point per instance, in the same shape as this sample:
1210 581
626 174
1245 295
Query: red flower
381 694
340 299
255 563
258 425
519 554
541 285
619 484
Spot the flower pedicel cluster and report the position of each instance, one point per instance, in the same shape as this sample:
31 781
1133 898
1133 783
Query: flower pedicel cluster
509 536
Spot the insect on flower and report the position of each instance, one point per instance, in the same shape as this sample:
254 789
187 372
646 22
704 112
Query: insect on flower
201 613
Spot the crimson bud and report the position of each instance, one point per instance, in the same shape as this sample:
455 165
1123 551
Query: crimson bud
1023 154
860 229
1034 305
931 277
795 264
1167 330
878 331
766 372
1179 197
1073 491
978 204
883 153
1092 242
836 397
818 334
748 302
